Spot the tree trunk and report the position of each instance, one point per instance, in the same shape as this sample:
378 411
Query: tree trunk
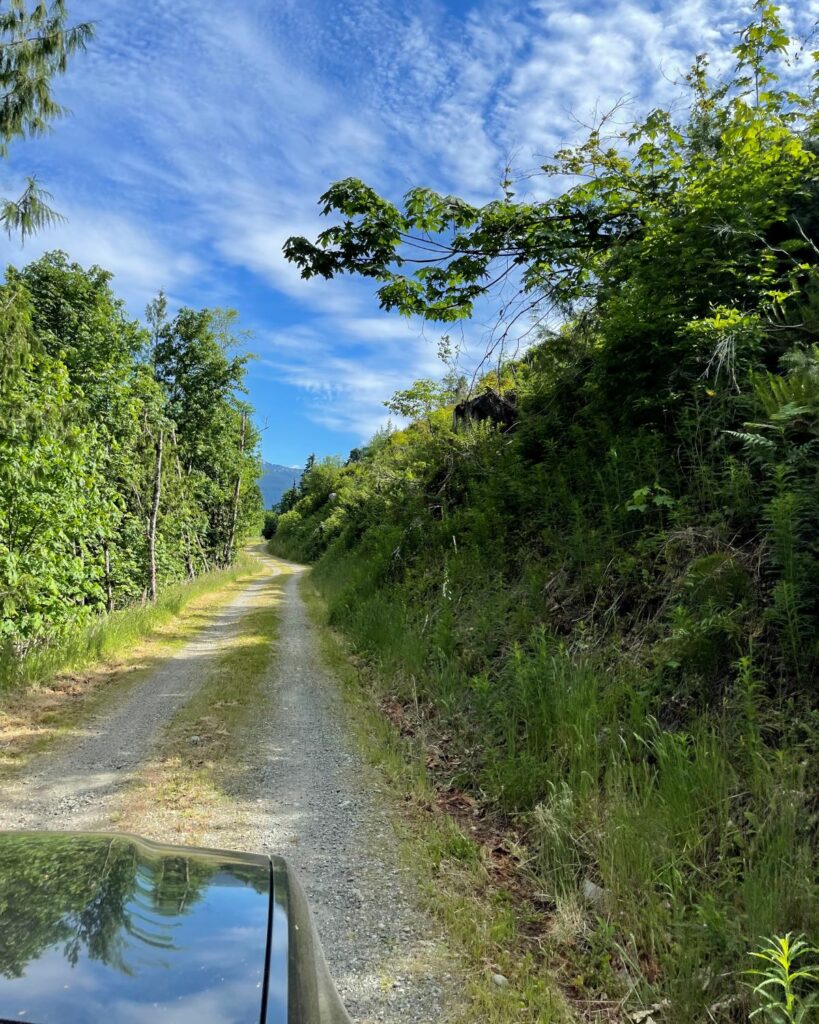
109 588
189 563
202 553
189 566
236 495
154 516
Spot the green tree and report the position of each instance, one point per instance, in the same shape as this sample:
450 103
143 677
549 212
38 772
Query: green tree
668 228
127 459
55 502
197 364
308 468
77 319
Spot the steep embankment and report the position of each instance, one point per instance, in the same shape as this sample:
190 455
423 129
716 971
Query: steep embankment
594 596
603 631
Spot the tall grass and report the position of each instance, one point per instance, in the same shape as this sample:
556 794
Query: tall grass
108 636
697 834
612 628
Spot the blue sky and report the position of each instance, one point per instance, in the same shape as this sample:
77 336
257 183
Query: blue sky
203 132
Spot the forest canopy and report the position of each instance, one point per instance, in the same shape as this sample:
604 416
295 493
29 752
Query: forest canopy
128 458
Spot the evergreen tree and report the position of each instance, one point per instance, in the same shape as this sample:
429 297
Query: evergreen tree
35 45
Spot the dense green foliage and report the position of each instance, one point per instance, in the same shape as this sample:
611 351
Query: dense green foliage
127 459
610 610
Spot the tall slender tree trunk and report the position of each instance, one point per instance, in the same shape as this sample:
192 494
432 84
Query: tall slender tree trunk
109 587
154 516
202 553
236 496
189 563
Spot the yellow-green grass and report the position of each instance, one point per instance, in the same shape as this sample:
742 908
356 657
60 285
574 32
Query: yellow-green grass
61 687
485 923
201 757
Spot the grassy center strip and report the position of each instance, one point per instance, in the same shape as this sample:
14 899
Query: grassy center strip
59 688
187 792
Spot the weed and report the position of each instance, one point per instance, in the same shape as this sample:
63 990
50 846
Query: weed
783 991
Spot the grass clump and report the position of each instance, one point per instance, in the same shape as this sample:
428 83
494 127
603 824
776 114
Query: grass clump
661 850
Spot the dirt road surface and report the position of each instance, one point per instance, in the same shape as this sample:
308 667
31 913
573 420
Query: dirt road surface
302 792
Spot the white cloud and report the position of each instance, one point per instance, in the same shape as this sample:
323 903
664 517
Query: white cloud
348 367
202 139
141 260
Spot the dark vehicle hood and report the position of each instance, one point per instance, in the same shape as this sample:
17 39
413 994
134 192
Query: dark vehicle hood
121 930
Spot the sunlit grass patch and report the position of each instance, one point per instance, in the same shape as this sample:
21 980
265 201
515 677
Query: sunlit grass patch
214 714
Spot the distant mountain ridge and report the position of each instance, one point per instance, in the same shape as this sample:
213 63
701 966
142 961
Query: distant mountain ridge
275 480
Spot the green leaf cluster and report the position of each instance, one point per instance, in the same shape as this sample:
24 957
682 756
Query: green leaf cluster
101 425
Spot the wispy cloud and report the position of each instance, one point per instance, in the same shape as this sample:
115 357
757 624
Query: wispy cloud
348 367
142 256
203 135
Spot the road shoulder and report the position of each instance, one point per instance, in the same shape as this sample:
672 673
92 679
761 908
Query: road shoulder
34 719
502 978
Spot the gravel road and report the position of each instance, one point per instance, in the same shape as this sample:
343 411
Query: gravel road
75 784
302 792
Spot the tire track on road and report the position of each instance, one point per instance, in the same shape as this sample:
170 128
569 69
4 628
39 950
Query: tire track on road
74 785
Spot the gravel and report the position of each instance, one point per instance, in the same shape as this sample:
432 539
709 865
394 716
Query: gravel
322 813
75 785
301 791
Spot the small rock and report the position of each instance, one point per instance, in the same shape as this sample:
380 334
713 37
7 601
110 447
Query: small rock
500 981
645 1016
195 739
593 894
624 978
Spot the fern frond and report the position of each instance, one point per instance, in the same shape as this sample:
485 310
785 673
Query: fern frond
754 441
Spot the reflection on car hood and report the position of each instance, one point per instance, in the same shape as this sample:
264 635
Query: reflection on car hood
121 930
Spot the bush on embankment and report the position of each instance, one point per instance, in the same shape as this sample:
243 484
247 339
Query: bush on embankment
609 612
